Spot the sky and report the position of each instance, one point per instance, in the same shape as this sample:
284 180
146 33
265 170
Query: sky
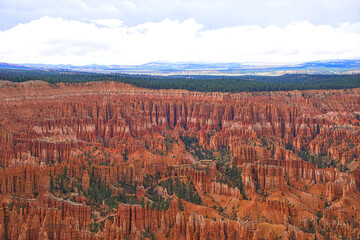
82 32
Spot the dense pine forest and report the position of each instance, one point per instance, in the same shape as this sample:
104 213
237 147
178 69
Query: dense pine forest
194 83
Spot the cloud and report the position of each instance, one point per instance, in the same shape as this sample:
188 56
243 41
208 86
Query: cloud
113 22
109 41
212 13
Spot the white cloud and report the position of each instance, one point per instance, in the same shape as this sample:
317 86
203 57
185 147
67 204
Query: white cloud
212 13
109 41
111 22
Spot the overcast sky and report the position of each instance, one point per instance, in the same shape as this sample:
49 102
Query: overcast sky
83 32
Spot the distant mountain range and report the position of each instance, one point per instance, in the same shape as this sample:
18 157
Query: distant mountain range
158 68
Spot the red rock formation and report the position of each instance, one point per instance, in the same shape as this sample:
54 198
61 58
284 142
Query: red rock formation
47 217
120 134
85 180
131 221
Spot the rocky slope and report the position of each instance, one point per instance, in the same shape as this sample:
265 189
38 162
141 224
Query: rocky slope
108 160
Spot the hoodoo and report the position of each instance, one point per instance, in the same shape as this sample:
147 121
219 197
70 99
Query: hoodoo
107 160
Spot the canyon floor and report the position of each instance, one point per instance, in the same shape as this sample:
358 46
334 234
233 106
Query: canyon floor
107 160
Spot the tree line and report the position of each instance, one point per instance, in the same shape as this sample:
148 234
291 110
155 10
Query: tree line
193 83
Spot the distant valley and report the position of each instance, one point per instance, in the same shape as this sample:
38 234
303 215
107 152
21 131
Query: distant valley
235 69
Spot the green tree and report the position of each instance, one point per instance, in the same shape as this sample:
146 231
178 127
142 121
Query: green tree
180 205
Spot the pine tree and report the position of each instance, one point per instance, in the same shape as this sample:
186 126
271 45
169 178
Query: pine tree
51 181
